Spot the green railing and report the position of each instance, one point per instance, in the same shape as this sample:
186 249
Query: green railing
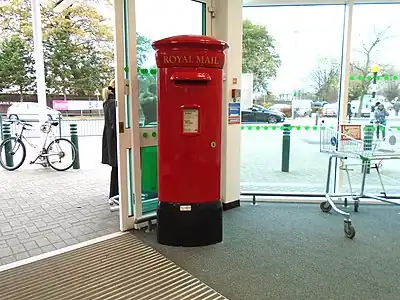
303 127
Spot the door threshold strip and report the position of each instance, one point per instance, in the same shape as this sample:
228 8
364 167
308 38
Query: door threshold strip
59 251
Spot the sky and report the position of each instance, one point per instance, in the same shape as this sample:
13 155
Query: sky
303 34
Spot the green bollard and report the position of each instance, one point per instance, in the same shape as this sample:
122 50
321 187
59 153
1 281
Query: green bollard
74 139
368 138
8 147
285 148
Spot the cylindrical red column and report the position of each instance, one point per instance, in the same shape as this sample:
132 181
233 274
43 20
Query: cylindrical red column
189 139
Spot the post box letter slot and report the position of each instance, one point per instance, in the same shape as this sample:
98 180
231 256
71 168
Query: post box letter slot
190 78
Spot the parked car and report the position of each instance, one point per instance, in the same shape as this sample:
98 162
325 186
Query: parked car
286 109
30 111
330 110
319 103
260 114
303 107
368 103
304 112
365 110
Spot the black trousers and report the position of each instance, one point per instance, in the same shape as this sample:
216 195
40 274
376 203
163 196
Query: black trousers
379 129
114 187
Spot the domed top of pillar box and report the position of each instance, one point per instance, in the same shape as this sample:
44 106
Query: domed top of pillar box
190 51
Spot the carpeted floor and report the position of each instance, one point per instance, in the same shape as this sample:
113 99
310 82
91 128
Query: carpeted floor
294 251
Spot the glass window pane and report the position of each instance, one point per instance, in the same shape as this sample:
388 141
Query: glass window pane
374 49
192 21
294 55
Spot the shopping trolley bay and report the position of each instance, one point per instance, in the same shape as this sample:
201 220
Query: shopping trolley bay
349 146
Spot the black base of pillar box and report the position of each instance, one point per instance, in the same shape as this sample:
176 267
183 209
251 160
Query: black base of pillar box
189 225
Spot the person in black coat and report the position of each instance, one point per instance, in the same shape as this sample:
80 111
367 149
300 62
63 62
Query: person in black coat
109 142
349 112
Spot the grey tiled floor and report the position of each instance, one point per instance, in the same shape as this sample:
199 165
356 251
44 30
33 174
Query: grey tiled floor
42 210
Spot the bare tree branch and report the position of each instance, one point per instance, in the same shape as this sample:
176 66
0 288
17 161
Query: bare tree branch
361 70
325 78
379 37
360 89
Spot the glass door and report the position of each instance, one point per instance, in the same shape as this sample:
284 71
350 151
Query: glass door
148 20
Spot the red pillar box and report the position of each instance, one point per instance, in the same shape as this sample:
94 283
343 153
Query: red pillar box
189 140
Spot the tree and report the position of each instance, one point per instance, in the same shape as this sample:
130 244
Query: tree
148 95
359 88
70 40
390 89
325 79
78 51
259 55
15 19
16 65
143 47
78 45
88 80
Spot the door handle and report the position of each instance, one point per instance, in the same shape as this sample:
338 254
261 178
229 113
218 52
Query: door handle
121 126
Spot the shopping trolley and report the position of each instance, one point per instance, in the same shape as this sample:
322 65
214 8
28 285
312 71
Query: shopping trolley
390 141
353 142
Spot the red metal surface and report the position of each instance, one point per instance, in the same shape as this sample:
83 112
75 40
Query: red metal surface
189 163
190 51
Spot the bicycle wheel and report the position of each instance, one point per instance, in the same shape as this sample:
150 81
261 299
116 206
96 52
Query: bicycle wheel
59 151
12 153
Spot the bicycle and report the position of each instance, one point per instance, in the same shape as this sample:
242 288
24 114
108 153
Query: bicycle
10 146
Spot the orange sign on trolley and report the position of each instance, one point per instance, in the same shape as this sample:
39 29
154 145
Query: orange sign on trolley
351 132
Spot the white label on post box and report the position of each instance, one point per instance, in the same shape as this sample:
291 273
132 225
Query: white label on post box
185 208
190 120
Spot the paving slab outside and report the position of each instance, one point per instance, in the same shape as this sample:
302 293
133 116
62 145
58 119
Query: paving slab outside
261 159
43 210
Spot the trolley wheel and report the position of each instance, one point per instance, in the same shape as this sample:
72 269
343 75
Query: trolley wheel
349 230
356 205
325 206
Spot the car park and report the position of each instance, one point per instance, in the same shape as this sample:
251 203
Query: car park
330 110
30 111
260 114
304 112
286 109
